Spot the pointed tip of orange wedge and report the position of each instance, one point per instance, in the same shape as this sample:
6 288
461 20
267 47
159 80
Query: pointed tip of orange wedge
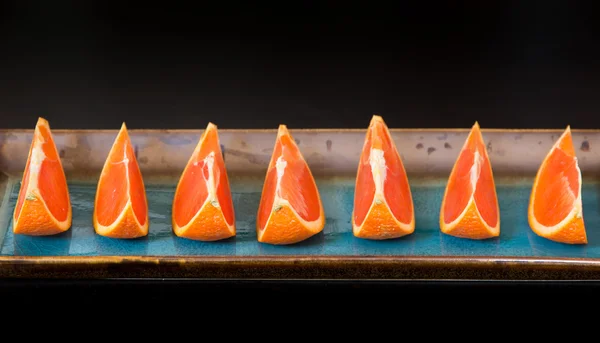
478 215
123 133
42 122
33 215
282 130
383 207
290 208
476 130
120 206
375 121
202 205
565 143
558 214
376 118
211 126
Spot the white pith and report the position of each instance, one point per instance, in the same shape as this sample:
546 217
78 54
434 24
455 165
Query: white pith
475 170
379 173
280 167
35 164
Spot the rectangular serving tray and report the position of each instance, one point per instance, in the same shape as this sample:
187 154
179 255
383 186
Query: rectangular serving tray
428 155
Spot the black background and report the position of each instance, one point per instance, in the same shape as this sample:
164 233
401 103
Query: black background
92 64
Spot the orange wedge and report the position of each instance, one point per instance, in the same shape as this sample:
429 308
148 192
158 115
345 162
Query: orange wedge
44 206
290 208
120 207
555 209
202 206
470 205
383 205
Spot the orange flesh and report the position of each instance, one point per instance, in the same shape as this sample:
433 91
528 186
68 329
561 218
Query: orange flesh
286 229
224 195
111 199
296 186
365 189
221 179
54 190
268 193
487 202
193 193
137 191
553 201
460 189
395 186
266 205
23 190
51 183
112 190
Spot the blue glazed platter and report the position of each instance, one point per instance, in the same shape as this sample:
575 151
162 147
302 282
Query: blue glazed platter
428 155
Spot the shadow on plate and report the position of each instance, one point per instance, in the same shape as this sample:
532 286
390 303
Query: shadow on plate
118 246
55 245
393 246
314 245
225 247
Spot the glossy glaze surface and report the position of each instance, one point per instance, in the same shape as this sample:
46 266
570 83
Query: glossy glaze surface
516 239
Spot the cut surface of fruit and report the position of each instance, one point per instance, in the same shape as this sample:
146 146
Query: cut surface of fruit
202 205
290 208
43 206
383 205
470 205
555 205
120 207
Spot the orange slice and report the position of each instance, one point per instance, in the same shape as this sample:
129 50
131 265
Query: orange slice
202 206
470 205
383 205
120 207
43 206
290 207
555 209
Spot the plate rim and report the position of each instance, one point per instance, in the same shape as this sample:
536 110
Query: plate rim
284 267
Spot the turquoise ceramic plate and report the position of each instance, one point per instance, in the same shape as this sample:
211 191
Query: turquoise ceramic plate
335 253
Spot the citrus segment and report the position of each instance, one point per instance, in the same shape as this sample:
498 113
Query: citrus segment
120 206
202 205
470 206
555 205
383 206
290 208
268 197
43 206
